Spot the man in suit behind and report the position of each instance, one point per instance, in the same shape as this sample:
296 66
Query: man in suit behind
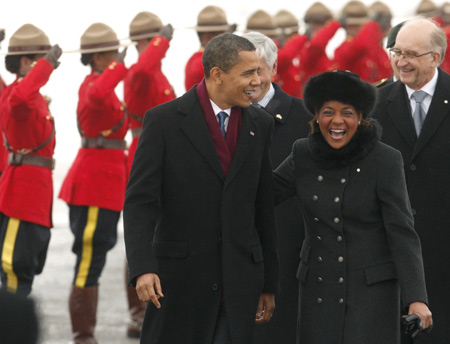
199 214
291 123
418 125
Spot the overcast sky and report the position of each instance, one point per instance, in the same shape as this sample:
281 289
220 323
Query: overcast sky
65 21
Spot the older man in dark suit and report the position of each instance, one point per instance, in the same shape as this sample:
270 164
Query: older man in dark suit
199 212
291 123
415 115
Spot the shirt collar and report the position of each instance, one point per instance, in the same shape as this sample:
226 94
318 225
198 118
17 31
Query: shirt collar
268 97
428 88
217 109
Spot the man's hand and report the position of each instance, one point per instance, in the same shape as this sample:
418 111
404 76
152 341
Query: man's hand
121 55
148 288
53 55
421 309
266 306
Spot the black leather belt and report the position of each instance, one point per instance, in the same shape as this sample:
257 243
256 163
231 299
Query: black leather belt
103 142
17 159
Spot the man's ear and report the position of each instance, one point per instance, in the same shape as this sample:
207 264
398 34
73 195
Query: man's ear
216 75
274 68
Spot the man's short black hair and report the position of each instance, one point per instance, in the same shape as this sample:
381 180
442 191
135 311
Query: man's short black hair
223 52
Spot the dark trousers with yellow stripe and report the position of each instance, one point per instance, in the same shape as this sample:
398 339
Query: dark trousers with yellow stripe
23 251
95 231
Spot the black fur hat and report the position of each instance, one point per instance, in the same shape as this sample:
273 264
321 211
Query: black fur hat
343 86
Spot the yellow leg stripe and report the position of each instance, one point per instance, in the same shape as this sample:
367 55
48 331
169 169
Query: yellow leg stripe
86 250
8 253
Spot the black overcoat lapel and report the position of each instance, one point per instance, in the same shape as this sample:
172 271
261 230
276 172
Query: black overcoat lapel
438 111
400 113
196 129
247 139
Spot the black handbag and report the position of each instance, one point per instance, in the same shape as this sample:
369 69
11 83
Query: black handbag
412 325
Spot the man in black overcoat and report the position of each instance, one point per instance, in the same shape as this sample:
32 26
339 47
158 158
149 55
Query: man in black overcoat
291 123
425 146
199 216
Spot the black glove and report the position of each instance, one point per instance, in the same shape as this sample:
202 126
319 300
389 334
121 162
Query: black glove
343 20
383 19
121 56
232 28
166 31
53 55
412 325
2 34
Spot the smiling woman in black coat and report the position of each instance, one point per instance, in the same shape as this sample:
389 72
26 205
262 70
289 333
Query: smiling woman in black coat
361 260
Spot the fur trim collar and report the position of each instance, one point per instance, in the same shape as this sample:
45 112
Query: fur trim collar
359 146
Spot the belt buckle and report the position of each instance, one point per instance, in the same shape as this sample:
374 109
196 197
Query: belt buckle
15 159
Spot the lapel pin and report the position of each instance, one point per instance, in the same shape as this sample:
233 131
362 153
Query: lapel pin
446 101
278 116
358 170
252 133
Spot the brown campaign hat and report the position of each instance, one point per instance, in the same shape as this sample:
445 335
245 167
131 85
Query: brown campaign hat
380 7
97 38
145 25
427 8
212 19
318 12
356 13
287 22
445 12
28 39
262 22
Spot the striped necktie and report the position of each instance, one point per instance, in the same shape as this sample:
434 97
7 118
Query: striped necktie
419 114
222 116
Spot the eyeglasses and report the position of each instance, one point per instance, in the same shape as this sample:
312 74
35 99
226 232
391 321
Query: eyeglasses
396 53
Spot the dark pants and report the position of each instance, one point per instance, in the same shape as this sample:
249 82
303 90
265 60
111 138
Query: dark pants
95 231
23 251
222 332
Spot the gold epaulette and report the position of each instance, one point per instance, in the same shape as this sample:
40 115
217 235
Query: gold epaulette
380 83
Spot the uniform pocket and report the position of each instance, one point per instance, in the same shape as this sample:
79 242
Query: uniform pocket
381 272
171 249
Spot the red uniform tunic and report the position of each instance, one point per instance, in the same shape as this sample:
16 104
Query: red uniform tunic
313 57
288 72
364 55
26 191
98 176
145 86
3 150
194 70
445 65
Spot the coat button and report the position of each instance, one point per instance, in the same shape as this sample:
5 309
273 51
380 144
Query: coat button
413 211
336 200
316 219
343 180
319 178
319 300
315 198
319 279
412 167
214 287
339 238
341 300
319 259
340 259
336 220
340 280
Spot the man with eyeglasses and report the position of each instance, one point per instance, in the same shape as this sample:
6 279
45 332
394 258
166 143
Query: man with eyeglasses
415 115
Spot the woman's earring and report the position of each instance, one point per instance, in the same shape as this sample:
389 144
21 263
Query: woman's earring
317 121
359 122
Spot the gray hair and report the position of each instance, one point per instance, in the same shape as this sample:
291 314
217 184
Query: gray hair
265 47
223 52
438 40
